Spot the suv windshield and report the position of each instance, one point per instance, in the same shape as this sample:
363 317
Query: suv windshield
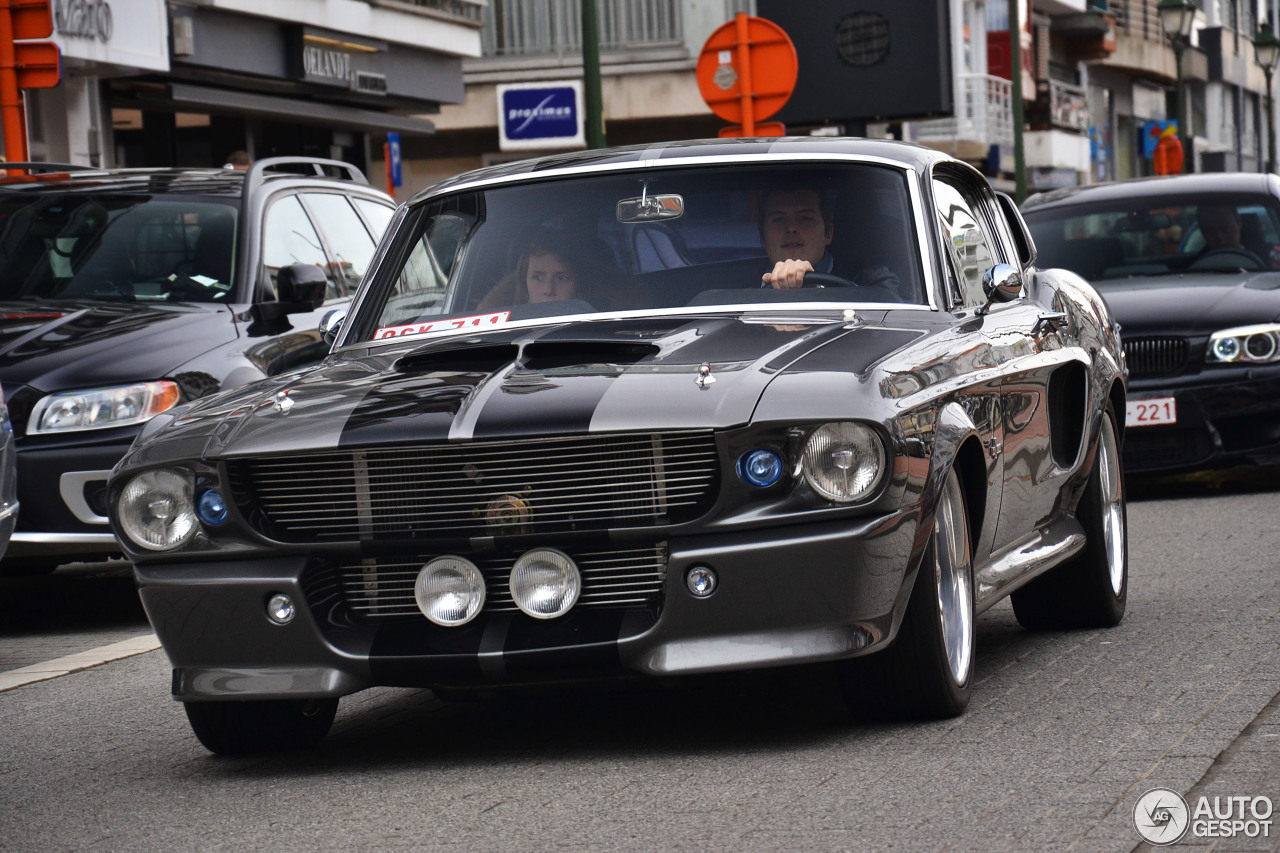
1158 236
657 239
116 248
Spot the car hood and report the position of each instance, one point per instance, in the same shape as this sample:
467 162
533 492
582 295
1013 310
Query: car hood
1193 304
55 345
661 374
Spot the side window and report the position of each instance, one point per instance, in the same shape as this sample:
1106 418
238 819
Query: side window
345 234
288 237
377 215
967 238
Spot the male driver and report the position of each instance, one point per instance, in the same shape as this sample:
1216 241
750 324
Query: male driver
796 230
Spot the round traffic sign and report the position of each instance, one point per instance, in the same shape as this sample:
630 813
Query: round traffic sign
752 57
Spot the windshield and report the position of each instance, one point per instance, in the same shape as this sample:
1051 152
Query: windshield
699 237
1159 236
116 248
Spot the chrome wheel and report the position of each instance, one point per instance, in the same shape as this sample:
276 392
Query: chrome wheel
1112 505
954 581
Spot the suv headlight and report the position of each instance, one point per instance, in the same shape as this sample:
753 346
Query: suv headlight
843 461
101 408
156 510
1252 344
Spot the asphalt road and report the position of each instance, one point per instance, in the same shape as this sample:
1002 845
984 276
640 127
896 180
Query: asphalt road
1065 733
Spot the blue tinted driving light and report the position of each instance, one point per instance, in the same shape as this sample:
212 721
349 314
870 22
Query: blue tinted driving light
760 467
211 508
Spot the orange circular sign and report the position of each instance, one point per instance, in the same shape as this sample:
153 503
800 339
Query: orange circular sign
749 59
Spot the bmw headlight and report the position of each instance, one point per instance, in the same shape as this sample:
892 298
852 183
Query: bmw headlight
843 461
156 510
100 408
1246 344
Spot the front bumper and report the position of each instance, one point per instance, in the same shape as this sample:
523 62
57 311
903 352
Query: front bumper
1222 421
786 595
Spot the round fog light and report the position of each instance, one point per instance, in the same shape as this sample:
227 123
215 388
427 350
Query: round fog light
760 468
545 583
211 508
701 581
280 609
449 591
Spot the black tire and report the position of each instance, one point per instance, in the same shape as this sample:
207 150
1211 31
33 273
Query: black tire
278 725
1091 589
923 674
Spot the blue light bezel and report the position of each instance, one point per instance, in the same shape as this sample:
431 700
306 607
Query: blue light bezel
744 460
211 519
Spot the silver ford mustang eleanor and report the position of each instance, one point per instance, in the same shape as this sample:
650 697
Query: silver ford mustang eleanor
659 410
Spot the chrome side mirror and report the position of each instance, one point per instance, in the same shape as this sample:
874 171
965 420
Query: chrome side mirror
1001 283
331 325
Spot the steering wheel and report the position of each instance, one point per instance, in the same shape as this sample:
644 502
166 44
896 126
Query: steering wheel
1236 256
818 280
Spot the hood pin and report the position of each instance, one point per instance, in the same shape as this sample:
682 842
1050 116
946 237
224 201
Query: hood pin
283 402
705 379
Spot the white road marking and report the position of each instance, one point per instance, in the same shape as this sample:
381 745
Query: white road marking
80 660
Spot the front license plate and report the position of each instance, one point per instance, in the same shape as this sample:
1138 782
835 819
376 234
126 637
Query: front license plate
1150 412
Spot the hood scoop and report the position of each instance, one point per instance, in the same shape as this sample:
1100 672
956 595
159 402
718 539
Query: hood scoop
474 359
545 356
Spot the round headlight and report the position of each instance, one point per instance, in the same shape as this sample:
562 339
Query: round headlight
843 461
760 467
155 509
1226 349
545 583
449 591
1260 347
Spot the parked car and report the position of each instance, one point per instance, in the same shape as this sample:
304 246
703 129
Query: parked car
124 293
8 478
1200 318
479 488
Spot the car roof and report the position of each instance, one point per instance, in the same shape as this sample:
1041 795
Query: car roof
232 183
1157 187
908 154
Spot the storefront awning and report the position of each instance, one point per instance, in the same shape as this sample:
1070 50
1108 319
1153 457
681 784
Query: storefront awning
268 106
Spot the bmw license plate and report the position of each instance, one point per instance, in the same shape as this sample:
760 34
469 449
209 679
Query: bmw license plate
1153 411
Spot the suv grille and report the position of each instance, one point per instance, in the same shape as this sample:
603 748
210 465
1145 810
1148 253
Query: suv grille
383 589
483 488
1155 356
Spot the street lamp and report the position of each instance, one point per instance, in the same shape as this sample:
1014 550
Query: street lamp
1177 17
1266 49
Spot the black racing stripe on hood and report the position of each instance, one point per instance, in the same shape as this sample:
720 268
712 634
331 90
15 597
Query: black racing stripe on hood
410 408
567 407
855 352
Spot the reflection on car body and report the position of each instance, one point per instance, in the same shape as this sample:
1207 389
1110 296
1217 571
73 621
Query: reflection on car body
1199 315
723 476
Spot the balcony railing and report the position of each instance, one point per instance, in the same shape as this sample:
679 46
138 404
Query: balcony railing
1137 18
554 27
984 113
1068 107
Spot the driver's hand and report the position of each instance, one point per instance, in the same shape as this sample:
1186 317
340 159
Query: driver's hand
788 274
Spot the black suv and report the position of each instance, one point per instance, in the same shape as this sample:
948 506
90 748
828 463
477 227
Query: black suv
126 292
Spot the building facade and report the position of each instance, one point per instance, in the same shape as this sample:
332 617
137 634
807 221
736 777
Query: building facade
186 82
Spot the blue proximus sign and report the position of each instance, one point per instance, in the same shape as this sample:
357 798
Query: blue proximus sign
540 116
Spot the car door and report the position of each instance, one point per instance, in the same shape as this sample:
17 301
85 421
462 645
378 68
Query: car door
1030 343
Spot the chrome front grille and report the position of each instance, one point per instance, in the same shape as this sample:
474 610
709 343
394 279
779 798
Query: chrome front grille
1155 356
383 588
482 488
